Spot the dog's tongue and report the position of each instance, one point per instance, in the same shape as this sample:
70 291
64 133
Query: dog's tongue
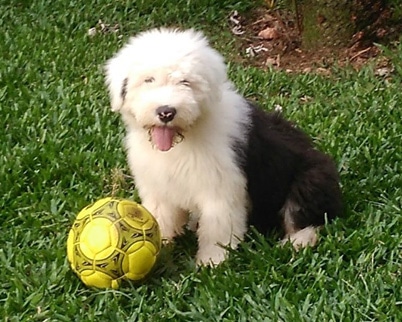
162 137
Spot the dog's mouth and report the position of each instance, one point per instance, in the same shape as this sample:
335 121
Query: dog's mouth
164 138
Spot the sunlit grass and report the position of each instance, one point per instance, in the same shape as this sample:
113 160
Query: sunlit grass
61 148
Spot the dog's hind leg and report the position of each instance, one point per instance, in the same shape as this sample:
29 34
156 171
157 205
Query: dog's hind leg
298 237
314 199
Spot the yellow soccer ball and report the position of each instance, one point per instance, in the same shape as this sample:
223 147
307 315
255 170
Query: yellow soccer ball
111 240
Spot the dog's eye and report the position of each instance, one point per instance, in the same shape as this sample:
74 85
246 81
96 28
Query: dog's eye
184 82
149 80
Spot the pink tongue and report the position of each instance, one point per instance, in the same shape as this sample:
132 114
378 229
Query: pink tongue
162 137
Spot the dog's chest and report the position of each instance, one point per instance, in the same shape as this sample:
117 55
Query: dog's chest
185 177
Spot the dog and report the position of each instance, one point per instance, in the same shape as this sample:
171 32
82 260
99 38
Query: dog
196 146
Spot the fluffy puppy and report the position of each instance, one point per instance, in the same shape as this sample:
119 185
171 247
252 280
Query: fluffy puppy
195 146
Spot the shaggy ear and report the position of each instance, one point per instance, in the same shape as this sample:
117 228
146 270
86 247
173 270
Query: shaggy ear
116 81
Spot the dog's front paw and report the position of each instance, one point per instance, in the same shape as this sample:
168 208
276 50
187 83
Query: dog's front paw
168 231
211 256
171 222
167 234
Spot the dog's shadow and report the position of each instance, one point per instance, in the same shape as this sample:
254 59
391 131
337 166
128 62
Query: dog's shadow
175 259
178 258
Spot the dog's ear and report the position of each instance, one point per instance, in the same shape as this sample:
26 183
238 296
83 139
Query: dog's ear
116 81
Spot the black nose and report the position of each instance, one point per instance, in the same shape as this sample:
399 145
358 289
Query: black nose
166 113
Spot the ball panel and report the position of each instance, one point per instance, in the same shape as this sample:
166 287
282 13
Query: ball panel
98 279
139 260
152 247
134 215
99 238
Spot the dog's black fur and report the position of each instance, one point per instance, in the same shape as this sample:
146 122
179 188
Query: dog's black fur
281 164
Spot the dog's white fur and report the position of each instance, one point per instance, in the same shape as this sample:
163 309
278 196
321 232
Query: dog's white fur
199 175
194 146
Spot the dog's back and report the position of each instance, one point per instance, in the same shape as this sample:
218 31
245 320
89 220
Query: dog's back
291 184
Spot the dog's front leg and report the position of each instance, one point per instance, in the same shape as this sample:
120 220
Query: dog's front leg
220 226
171 219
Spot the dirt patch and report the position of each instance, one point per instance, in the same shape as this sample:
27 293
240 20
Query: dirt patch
272 39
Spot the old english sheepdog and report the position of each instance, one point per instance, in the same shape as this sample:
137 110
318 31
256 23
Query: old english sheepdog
197 148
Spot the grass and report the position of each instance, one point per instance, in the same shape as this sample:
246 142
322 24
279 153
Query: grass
61 149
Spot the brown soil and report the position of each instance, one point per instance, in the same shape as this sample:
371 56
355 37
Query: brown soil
271 39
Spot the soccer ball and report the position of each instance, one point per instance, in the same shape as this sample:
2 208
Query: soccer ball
111 240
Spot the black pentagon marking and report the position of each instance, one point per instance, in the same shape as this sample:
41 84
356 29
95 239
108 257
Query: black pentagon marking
113 215
103 265
85 220
136 235
122 227
113 203
97 213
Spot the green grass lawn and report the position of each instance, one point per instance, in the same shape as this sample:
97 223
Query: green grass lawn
61 148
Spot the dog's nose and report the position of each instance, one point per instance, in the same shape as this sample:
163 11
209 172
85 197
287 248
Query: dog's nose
166 113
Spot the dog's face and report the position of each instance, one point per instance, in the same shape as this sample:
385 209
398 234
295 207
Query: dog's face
163 81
